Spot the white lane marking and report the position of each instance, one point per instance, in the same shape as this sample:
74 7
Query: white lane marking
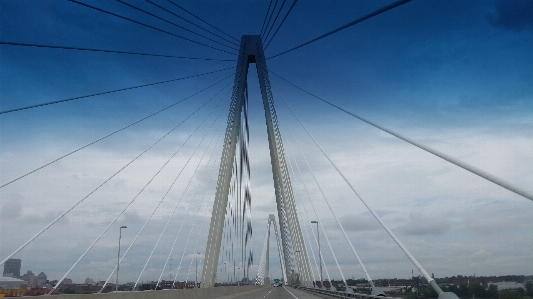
267 294
290 292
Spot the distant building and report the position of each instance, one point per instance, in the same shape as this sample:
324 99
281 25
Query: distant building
12 268
30 278
504 285
89 280
67 281
10 283
41 279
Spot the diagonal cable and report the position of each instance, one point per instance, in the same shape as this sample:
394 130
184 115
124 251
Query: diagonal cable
146 25
270 18
192 23
108 51
275 19
79 202
162 199
195 16
266 16
391 234
108 135
280 24
174 24
359 20
183 194
479 172
122 212
332 212
188 183
320 222
108 92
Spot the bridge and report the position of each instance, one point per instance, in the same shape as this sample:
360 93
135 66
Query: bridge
146 169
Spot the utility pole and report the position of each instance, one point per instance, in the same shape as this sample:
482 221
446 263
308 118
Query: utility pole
118 255
319 253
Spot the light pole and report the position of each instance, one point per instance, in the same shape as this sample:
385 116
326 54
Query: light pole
319 253
118 255
225 271
196 280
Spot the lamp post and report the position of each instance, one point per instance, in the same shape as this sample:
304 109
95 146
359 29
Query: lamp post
196 280
118 255
225 271
319 253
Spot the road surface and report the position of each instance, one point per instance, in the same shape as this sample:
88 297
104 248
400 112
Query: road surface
270 292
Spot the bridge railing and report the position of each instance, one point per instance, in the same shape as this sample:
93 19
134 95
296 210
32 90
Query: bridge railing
341 294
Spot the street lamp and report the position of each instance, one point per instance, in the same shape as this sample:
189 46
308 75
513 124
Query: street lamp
319 253
118 255
196 280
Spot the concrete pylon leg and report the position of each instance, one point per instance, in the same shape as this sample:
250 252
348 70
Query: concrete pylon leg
251 51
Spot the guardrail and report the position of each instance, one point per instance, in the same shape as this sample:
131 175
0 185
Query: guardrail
340 294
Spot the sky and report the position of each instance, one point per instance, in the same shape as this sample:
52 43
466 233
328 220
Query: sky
456 76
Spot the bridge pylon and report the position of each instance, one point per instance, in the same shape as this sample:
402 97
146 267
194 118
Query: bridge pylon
297 269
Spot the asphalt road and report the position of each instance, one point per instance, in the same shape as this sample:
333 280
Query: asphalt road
270 292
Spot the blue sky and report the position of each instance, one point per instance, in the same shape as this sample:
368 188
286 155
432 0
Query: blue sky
453 75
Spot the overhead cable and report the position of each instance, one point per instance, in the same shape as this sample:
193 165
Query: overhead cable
280 24
108 92
192 23
108 51
110 134
327 202
267 33
306 215
115 219
183 194
75 205
174 24
392 235
479 172
191 204
149 26
266 17
370 281
270 17
195 16
164 196
359 20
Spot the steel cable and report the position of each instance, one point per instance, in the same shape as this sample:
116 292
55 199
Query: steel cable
174 24
108 135
192 23
148 26
195 16
75 205
359 20
479 172
108 51
161 201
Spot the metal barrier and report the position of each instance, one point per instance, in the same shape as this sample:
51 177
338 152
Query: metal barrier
340 294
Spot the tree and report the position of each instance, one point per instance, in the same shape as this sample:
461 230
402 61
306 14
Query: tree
492 292
529 288
463 291
477 290
430 293
70 291
508 294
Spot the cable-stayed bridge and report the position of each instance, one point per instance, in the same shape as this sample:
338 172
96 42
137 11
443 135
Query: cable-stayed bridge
184 194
